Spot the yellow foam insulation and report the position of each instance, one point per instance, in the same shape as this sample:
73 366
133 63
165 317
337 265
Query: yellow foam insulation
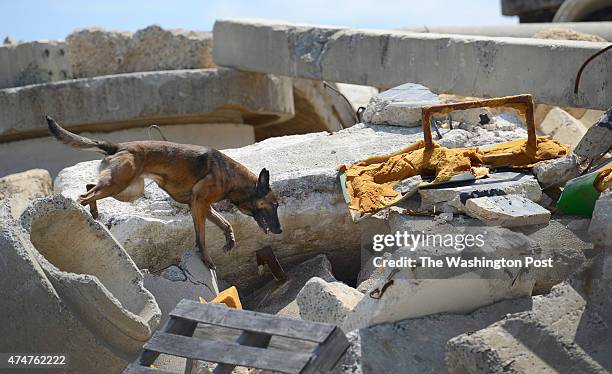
370 182
603 180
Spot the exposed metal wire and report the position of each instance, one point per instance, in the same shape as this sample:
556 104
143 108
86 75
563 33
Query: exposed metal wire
579 75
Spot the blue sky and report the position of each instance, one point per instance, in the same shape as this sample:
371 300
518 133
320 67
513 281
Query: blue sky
47 19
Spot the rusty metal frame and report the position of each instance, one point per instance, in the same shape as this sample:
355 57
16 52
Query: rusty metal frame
522 103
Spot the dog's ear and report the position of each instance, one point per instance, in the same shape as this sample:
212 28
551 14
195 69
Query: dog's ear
263 182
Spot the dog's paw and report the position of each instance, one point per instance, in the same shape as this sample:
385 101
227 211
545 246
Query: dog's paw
229 244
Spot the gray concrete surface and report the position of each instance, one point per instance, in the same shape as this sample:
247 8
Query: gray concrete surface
34 62
465 65
401 105
21 188
506 211
114 102
600 229
327 302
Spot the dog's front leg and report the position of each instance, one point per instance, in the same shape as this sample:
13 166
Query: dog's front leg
199 211
216 218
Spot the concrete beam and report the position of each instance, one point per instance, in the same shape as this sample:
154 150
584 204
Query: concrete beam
114 102
465 65
523 30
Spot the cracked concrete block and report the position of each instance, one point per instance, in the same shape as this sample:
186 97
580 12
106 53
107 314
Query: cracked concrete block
34 62
424 289
454 198
130 100
561 333
387 58
506 211
600 229
96 51
275 298
597 139
558 171
399 106
327 302
561 126
92 274
21 188
191 279
303 170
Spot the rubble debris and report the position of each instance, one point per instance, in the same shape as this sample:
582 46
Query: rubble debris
600 229
255 99
386 59
456 290
274 298
417 345
187 280
562 33
453 198
597 139
21 188
557 172
506 211
95 51
328 302
561 332
399 106
34 62
561 126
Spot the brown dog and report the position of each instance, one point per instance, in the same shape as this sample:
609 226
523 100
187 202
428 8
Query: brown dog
190 174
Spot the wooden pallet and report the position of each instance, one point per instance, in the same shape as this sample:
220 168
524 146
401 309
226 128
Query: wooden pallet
251 349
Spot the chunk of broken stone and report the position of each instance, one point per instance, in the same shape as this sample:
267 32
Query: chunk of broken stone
507 211
455 197
561 333
561 126
558 171
273 297
600 229
328 302
597 139
21 188
399 106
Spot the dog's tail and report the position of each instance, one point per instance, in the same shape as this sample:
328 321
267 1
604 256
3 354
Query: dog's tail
78 141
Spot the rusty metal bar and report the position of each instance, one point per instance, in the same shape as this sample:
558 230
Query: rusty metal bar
266 256
522 103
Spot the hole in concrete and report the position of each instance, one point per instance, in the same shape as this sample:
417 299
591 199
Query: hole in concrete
68 241
46 53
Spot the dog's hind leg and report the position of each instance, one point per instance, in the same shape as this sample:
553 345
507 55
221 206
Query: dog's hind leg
118 174
93 206
216 218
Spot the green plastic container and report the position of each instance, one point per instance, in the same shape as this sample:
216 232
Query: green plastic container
579 196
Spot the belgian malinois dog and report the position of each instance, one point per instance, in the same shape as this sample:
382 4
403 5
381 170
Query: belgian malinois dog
193 175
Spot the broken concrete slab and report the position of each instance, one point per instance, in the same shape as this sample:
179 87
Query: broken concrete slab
560 333
457 289
328 302
21 188
454 198
92 272
121 101
156 231
561 126
387 58
190 279
600 229
417 345
95 52
400 106
32 305
506 211
273 297
557 172
34 62
597 139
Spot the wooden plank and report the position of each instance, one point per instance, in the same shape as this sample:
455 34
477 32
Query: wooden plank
328 353
247 338
252 321
134 368
172 325
228 353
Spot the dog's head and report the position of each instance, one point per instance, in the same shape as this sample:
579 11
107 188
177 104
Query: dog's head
263 205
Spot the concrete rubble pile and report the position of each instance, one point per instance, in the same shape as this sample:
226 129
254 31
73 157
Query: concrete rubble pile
100 288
